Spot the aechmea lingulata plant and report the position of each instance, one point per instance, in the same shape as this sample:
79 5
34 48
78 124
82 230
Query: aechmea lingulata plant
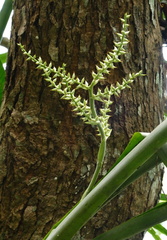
66 85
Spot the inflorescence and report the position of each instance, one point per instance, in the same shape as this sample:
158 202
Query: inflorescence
69 83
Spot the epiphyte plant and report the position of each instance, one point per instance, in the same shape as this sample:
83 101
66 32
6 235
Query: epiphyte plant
66 84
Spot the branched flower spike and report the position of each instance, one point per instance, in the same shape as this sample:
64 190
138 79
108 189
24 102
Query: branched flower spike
86 108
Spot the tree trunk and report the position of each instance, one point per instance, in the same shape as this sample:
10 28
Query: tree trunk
48 155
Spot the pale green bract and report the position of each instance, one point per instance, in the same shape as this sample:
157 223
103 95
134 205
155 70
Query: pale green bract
69 84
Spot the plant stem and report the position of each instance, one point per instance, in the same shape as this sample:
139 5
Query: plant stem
102 147
100 158
92 101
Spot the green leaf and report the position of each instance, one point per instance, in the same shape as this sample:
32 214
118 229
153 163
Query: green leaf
134 141
161 229
163 197
163 154
2 80
110 184
4 16
151 162
137 224
3 57
154 234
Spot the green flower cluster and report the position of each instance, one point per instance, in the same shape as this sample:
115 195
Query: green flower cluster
69 84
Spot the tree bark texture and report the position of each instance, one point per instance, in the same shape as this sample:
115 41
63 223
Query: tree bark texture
47 154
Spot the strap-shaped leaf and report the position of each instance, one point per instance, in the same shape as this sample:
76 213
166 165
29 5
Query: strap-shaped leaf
4 16
136 224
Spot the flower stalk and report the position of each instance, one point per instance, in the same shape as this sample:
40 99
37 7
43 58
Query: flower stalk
85 108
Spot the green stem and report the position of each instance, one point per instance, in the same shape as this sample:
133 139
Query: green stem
92 101
100 158
102 148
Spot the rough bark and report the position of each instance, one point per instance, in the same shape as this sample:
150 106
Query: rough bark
47 154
